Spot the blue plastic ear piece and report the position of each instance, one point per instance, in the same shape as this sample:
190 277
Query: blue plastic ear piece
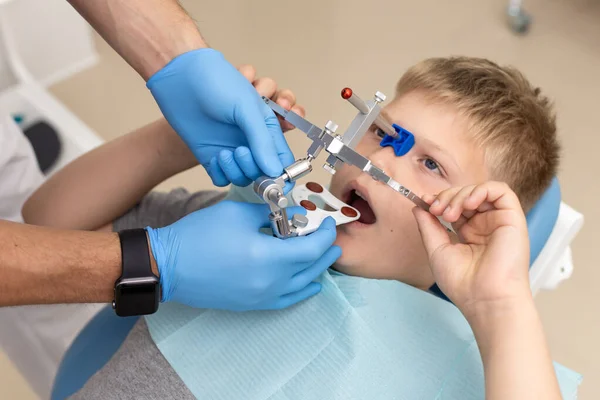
402 144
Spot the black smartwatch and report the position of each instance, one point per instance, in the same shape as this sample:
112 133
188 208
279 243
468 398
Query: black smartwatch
137 291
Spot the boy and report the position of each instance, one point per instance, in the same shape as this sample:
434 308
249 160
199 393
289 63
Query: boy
473 121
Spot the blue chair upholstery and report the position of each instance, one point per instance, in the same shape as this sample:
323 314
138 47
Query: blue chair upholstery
542 218
103 336
90 351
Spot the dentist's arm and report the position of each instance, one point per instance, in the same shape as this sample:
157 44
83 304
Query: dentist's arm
204 98
40 265
146 33
103 184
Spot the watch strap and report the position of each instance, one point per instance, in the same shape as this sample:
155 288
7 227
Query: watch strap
135 254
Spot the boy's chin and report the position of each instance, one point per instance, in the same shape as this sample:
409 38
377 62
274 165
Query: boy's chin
345 241
358 260
352 261
344 268
355 248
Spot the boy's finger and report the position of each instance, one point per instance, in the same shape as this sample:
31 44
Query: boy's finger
442 200
433 234
265 87
490 221
455 207
298 109
468 214
477 198
485 206
287 126
248 71
428 198
285 97
464 218
453 204
497 193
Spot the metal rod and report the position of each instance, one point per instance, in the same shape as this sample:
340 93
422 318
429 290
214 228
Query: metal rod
385 126
356 101
359 103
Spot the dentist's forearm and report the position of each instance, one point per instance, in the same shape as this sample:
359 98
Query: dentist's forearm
40 265
45 266
146 33
515 355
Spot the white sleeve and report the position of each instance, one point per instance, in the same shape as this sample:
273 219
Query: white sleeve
34 338
19 171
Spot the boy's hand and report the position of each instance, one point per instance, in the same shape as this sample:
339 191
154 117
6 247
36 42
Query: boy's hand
238 166
490 265
268 87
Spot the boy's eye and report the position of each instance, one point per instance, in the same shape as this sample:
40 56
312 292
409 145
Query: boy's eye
432 165
380 132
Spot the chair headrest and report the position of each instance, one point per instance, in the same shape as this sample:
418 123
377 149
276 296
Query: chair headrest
542 218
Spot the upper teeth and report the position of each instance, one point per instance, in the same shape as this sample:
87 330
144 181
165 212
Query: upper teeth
359 194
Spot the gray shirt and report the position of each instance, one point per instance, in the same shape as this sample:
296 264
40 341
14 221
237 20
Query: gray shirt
138 369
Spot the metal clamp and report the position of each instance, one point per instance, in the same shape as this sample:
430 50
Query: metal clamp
271 190
340 149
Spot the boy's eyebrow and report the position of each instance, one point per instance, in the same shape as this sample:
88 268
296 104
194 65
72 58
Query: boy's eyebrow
431 143
438 148
428 142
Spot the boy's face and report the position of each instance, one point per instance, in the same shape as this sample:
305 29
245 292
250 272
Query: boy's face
385 242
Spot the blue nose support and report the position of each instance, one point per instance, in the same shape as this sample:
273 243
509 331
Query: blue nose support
401 144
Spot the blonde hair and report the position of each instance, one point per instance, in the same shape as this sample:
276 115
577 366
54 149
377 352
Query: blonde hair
509 118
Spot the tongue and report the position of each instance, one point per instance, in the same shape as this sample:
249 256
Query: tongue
366 213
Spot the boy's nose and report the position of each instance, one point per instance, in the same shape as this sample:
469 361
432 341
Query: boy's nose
383 157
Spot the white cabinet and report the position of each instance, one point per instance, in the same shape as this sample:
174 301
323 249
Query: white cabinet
43 42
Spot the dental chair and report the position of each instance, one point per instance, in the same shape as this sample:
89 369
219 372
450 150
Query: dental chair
551 223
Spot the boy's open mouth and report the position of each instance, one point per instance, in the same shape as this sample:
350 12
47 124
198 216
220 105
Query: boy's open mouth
358 201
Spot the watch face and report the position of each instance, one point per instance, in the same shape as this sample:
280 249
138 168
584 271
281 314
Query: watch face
136 297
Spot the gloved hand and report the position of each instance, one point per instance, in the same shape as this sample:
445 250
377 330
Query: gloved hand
239 166
213 107
217 258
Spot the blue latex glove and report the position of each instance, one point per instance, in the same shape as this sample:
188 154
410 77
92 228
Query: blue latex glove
239 168
217 258
213 107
